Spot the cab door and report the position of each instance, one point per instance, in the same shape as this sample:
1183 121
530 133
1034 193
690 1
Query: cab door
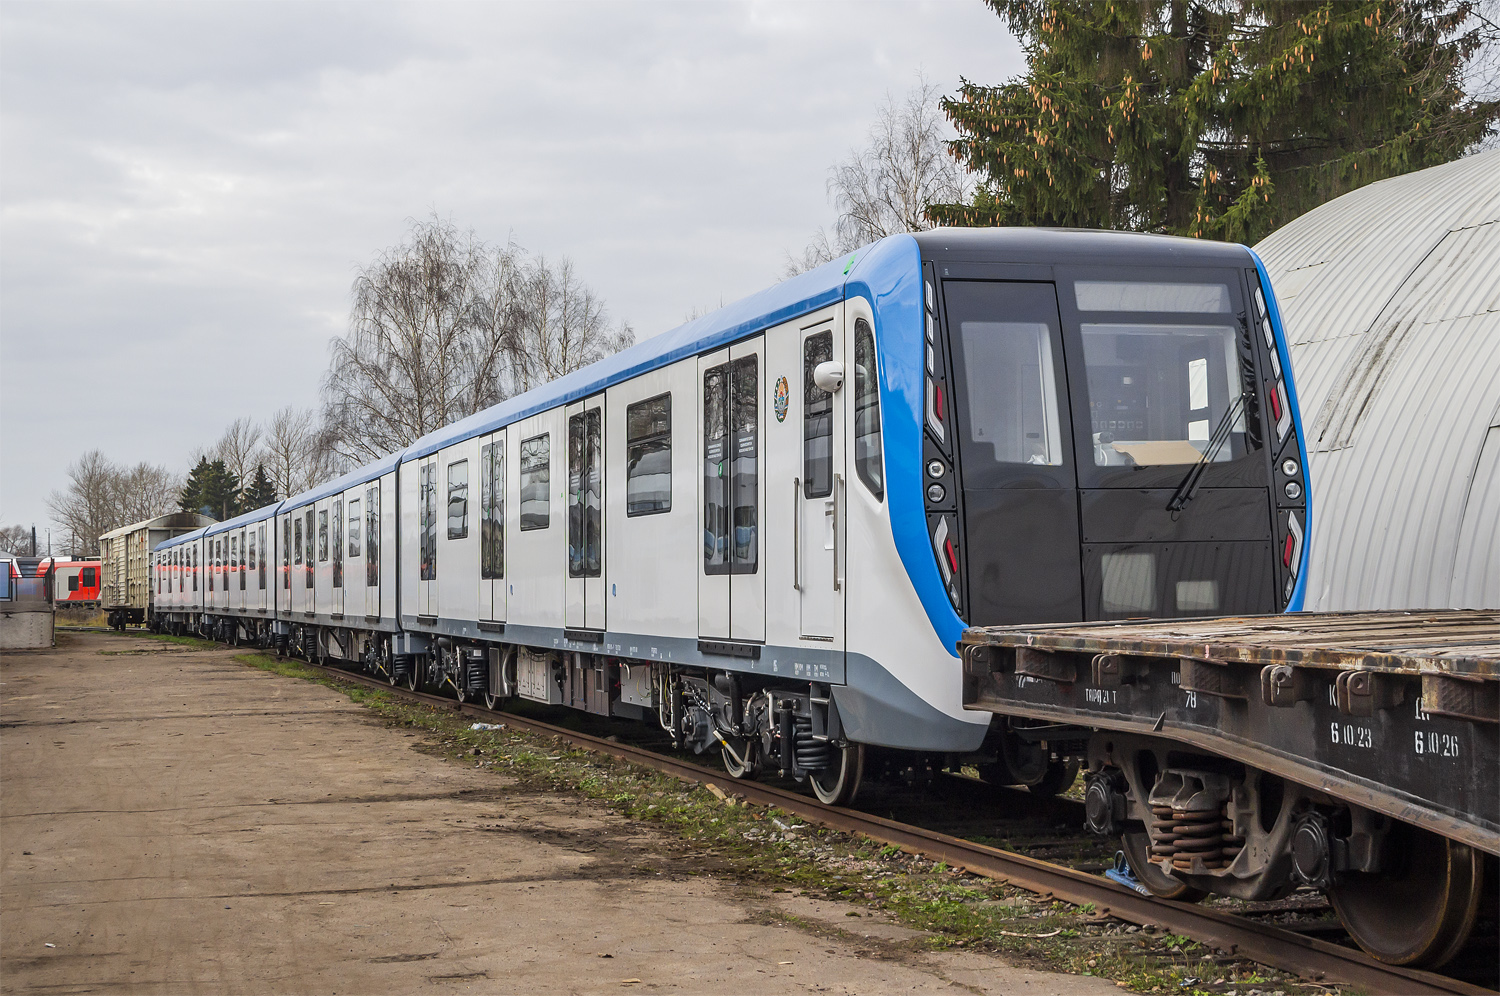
1020 499
584 607
492 591
819 492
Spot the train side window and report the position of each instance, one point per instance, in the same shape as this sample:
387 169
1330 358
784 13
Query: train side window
536 472
297 546
372 536
307 538
585 529
260 577
458 500
868 463
648 456
353 528
716 554
744 424
88 577
323 536
817 419
195 566
208 563
336 538
492 510
240 567
73 582
286 552
427 506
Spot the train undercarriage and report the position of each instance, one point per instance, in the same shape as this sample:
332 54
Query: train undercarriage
1355 754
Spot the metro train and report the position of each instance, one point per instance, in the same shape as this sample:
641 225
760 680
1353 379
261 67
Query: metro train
768 528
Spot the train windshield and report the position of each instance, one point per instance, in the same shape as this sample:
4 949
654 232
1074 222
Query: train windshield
1164 372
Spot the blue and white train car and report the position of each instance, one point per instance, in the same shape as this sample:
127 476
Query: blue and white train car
770 526
335 545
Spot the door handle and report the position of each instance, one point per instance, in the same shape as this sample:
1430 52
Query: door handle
838 509
796 534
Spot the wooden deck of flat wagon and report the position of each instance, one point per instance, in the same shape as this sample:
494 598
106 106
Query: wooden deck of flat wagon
1355 752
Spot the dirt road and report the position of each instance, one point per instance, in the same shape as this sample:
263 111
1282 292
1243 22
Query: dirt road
174 821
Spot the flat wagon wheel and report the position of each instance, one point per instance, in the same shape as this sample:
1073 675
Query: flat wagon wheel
1161 885
1419 912
838 784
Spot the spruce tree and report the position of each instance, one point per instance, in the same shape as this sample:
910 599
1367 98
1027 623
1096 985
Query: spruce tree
260 493
1213 118
212 489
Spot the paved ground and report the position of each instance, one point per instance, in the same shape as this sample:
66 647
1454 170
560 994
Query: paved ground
173 821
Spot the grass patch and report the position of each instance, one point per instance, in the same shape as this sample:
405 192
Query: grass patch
773 851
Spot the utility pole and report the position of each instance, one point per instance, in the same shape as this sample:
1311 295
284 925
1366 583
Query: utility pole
33 541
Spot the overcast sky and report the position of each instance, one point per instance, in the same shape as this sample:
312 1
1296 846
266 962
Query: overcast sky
187 189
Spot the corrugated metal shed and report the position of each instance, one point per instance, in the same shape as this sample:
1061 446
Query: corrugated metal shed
1391 296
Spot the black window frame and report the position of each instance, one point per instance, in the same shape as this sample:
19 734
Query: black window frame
537 519
638 445
817 418
458 492
869 460
492 509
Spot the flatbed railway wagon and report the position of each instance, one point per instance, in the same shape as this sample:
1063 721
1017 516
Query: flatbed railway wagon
1357 753
125 591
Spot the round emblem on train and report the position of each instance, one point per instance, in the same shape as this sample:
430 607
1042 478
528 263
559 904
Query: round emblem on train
782 399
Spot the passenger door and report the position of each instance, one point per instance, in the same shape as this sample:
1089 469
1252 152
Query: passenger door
492 591
585 603
819 491
336 539
731 585
427 512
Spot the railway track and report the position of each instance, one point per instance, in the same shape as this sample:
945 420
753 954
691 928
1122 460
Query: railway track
1287 950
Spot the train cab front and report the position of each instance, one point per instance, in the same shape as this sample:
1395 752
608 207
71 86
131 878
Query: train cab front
1109 430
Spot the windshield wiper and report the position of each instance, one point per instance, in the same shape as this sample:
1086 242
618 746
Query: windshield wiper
1189 486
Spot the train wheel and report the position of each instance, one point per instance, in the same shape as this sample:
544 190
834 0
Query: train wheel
741 758
1420 913
1059 777
839 784
1161 885
414 673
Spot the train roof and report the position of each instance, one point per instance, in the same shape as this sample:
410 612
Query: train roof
800 295
360 475
167 544
243 519
1073 246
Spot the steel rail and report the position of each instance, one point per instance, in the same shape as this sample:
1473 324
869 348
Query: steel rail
1305 956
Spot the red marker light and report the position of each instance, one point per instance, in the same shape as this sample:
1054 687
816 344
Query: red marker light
1275 407
1286 552
952 557
937 401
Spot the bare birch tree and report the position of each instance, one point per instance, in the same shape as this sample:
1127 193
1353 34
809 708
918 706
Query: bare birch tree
431 338
239 448
563 325
296 451
101 496
885 187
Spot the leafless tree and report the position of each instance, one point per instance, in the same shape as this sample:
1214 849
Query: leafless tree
239 448
297 452
15 540
563 325
445 325
431 338
101 496
885 187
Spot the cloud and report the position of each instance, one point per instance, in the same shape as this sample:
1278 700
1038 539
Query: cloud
188 189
